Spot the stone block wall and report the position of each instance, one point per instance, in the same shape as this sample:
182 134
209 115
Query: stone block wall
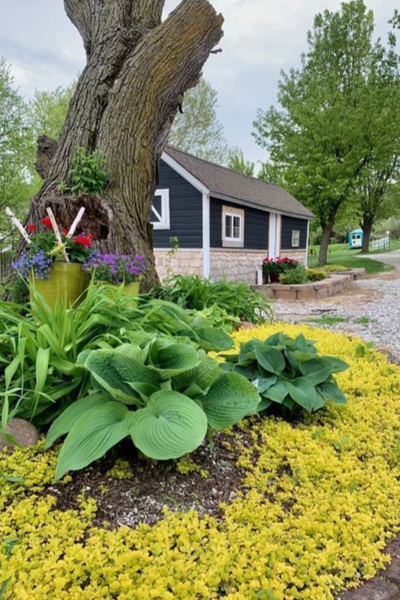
183 262
236 264
297 254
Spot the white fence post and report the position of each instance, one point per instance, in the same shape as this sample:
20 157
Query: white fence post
381 244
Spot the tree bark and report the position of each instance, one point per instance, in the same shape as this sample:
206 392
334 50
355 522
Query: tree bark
326 234
125 102
366 226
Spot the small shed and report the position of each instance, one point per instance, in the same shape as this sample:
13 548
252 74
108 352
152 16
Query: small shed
356 238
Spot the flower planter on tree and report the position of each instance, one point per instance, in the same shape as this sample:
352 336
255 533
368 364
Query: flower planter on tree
66 285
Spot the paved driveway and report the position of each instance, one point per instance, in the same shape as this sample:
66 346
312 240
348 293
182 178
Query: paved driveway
369 308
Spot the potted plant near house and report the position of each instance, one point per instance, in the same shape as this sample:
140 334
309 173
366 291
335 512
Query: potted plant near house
273 267
116 271
52 263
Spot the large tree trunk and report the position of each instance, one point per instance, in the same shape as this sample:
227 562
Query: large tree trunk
326 235
366 226
137 71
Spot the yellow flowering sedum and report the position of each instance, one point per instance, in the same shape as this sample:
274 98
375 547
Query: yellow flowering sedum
322 500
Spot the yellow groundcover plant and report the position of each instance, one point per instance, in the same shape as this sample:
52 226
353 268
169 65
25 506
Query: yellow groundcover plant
322 501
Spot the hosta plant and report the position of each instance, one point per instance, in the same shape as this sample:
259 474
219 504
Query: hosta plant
161 393
288 372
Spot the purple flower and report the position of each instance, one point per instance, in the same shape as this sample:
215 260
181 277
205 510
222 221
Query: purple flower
115 268
37 262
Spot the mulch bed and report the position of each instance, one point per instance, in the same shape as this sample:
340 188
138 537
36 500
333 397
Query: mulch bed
154 486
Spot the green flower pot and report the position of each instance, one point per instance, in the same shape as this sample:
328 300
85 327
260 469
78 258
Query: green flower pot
66 285
128 289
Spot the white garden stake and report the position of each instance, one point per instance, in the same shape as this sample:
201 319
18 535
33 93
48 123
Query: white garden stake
75 223
57 233
17 224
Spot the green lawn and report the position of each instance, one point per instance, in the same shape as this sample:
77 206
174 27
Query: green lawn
341 254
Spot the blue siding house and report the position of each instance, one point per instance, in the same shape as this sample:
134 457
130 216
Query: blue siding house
226 222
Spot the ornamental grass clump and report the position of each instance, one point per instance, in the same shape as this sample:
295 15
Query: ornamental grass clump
115 268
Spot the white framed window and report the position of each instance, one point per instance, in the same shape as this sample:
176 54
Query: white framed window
295 239
232 227
159 217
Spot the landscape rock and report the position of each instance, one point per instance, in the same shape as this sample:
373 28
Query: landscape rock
25 434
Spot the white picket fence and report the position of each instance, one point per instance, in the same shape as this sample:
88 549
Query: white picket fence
382 244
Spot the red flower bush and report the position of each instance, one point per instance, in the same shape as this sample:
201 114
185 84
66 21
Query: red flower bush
31 228
47 222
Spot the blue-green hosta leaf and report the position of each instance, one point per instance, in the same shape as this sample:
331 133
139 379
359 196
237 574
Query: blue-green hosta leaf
270 359
317 370
66 420
330 391
214 339
277 392
175 359
247 352
337 365
97 430
170 426
145 390
230 398
303 393
264 404
264 383
247 372
114 371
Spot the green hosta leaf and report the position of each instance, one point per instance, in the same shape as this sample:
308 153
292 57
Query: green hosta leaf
303 393
317 370
66 420
214 339
132 351
82 356
337 365
114 371
264 404
175 359
92 435
230 398
247 352
247 372
170 426
206 372
270 359
330 391
145 390
264 383
277 392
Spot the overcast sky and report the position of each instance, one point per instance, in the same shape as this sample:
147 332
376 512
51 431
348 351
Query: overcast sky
261 38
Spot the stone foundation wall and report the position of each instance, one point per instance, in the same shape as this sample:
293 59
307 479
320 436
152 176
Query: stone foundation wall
300 255
183 262
236 264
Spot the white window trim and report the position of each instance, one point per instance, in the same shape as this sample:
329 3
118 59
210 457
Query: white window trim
294 244
164 218
233 242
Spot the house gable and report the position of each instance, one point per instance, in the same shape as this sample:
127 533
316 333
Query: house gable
185 211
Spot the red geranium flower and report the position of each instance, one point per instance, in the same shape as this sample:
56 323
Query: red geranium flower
47 222
83 240
65 231
31 228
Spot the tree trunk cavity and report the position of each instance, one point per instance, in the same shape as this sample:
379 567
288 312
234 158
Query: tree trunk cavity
137 70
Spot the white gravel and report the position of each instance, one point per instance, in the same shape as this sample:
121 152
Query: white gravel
369 309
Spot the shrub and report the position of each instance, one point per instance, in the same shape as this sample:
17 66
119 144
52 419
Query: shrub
288 372
293 276
316 274
236 298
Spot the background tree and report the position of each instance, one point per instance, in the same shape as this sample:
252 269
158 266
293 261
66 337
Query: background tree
238 163
318 140
126 98
15 147
197 130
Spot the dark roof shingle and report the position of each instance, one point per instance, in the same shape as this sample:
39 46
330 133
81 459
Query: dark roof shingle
222 181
